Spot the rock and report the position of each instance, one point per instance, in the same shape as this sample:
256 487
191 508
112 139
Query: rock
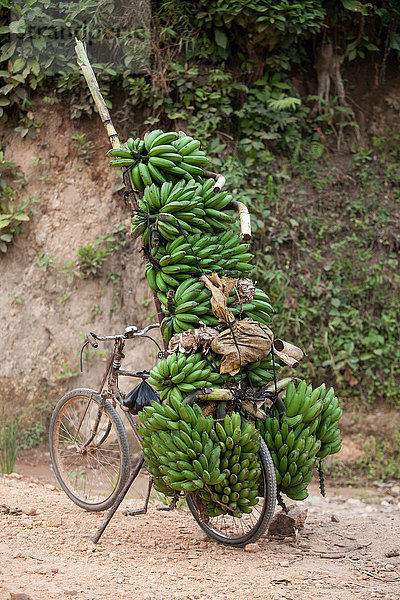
252 548
334 519
54 521
70 592
393 553
50 487
15 476
284 524
29 511
396 490
19 596
203 545
26 523
284 563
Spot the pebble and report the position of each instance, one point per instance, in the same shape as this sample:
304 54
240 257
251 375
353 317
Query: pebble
48 486
203 545
26 523
70 592
334 519
54 521
30 511
19 596
252 548
354 502
284 563
15 476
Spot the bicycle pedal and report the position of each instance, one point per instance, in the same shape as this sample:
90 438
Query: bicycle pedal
134 512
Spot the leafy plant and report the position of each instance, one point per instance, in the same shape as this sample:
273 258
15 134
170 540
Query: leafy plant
90 260
85 148
44 261
31 436
67 372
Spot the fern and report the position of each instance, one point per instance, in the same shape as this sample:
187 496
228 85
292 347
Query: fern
288 102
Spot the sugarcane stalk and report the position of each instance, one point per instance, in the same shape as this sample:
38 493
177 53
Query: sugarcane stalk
94 88
210 395
244 216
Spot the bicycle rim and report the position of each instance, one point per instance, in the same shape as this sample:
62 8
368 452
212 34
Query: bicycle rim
233 531
92 474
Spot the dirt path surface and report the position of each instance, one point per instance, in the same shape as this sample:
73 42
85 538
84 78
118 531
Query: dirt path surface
349 548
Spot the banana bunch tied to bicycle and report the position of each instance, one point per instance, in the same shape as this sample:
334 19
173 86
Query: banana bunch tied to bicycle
187 452
186 233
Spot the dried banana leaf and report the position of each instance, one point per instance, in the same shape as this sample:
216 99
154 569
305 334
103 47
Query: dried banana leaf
247 338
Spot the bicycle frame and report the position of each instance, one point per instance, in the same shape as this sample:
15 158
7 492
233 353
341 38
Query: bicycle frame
109 389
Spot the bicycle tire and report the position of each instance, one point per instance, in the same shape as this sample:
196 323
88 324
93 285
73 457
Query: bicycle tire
226 529
93 478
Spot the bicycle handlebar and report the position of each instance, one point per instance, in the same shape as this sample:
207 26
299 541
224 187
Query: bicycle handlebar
130 332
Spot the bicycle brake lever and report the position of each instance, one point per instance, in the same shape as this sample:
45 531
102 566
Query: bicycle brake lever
90 338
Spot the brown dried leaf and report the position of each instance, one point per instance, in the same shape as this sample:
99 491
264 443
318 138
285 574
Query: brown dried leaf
253 340
190 340
220 289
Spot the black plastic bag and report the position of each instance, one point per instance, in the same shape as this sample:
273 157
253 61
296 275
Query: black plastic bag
142 395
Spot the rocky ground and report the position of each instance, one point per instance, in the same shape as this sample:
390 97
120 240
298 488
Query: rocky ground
349 548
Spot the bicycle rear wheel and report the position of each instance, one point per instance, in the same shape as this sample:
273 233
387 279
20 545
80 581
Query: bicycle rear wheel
233 531
91 469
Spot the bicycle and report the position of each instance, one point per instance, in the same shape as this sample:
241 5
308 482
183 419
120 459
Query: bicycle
95 466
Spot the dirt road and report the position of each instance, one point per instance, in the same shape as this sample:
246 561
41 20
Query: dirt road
348 549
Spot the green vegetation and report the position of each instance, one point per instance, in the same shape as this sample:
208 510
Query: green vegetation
8 440
31 436
66 372
92 256
379 460
13 211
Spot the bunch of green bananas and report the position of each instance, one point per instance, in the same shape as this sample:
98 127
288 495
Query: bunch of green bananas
213 205
328 420
294 453
160 157
260 372
170 210
185 308
238 492
187 452
180 374
258 309
303 436
178 448
199 253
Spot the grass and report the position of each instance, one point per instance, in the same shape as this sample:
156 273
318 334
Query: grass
8 440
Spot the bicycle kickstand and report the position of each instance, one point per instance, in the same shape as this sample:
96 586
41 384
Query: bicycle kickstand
118 501
140 511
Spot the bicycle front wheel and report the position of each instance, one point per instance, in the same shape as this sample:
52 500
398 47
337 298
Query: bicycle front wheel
238 532
89 450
